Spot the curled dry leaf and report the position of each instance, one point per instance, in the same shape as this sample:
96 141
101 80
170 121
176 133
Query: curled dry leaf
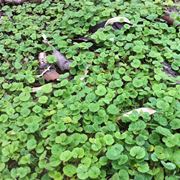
119 19
62 62
139 110
116 22
35 89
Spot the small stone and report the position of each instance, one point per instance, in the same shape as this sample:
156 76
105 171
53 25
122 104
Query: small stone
51 75
168 19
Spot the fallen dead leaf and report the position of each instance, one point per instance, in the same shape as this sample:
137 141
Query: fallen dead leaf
119 19
139 110
116 22
35 89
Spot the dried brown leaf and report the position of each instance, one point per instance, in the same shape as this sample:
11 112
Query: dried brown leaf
139 110
119 19
35 89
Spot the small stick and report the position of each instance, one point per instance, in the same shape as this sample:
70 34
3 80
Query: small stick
85 72
47 69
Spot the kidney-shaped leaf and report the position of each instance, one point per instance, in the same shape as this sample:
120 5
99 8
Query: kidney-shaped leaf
114 152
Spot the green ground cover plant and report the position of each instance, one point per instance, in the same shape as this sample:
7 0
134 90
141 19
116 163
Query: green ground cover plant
74 128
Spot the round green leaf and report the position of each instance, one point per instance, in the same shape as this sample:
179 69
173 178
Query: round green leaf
138 152
43 99
136 63
114 152
123 174
137 82
82 172
122 159
2 166
69 170
93 107
24 96
51 59
169 165
94 172
66 155
101 90
31 144
112 109
143 167
175 124
108 139
162 104
47 88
